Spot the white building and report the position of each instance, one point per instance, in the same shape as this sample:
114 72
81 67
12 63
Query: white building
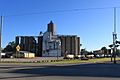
51 42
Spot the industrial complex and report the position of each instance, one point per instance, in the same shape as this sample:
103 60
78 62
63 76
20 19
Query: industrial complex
49 43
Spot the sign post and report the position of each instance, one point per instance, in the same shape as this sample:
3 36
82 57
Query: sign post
17 50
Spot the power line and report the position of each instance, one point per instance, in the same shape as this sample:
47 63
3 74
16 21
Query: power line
57 11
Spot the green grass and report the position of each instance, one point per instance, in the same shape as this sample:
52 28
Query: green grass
76 61
85 61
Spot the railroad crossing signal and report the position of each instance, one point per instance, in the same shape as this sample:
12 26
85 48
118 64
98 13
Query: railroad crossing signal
117 42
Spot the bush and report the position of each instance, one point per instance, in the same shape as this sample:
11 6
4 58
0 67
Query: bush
84 58
18 55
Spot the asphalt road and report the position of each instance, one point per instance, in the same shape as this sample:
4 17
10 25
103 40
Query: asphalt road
98 71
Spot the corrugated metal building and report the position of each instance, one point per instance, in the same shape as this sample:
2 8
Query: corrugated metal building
27 43
69 44
39 48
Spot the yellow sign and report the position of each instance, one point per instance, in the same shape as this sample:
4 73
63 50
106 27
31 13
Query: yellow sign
18 48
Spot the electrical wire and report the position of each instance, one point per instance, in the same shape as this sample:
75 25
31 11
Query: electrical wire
57 11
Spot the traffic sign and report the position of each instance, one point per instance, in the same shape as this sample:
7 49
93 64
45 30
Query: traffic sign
18 48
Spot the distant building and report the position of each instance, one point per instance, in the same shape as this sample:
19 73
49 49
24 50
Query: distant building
97 51
108 51
50 44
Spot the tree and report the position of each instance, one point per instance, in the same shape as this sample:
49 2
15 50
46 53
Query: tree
12 44
118 52
84 51
104 50
89 53
11 47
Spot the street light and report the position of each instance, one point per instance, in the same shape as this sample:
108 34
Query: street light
1 25
114 37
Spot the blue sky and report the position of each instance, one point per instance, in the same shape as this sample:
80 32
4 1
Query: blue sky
94 26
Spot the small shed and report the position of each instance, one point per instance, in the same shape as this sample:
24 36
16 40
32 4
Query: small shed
27 54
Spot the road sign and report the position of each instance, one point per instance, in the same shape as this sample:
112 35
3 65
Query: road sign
18 48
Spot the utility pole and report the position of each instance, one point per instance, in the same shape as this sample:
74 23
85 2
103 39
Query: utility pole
1 25
114 36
